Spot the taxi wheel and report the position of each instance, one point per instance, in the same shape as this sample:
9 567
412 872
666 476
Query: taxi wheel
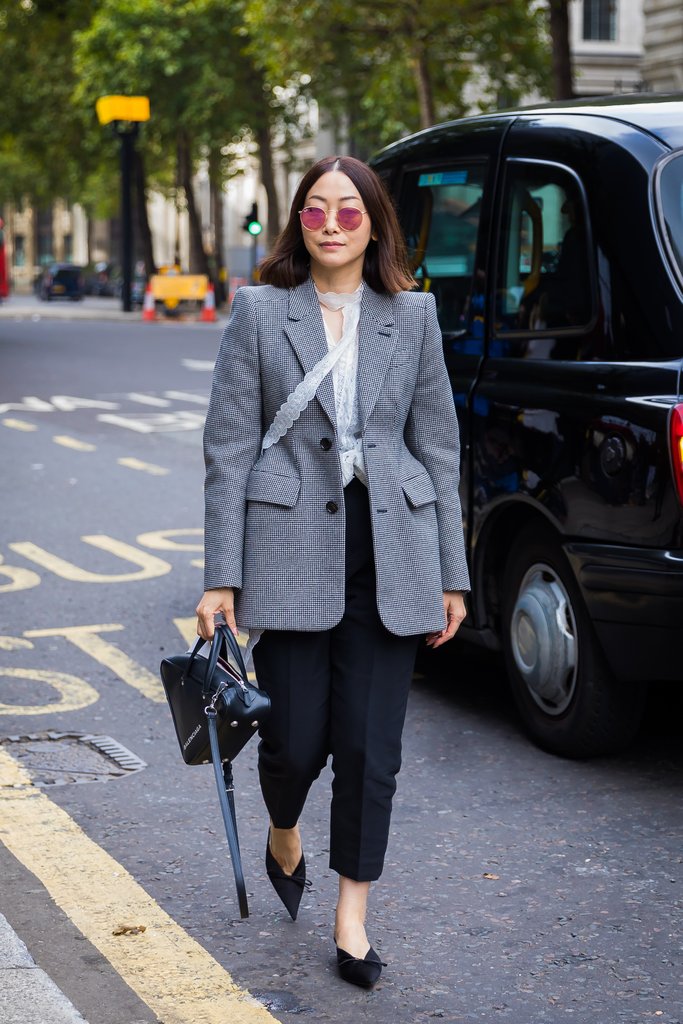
569 701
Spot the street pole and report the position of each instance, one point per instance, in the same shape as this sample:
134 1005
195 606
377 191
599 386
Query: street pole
127 136
124 114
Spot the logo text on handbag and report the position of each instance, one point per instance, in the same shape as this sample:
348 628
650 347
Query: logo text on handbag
191 736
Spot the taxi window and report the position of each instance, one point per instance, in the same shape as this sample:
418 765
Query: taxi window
440 217
670 208
544 265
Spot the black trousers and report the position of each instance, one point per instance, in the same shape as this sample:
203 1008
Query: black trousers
340 692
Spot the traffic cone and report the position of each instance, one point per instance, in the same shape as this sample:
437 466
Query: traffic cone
149 310
208 314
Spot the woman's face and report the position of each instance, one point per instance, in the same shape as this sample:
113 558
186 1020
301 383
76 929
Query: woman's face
330 246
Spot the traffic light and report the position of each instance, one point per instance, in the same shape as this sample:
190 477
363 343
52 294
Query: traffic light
251 222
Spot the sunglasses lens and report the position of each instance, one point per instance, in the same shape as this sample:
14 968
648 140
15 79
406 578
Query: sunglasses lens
312 217
349 218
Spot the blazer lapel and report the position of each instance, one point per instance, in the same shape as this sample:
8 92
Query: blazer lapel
377 337
306 332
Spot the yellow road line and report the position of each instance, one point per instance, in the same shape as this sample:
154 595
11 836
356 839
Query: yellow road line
73 442
19 425
74 693
169 971
144 467
87 639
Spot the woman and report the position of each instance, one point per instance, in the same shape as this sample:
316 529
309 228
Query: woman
341 539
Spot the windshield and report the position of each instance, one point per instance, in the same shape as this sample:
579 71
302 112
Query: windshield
670 196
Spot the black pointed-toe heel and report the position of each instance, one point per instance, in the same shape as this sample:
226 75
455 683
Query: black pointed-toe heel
364 972
290 888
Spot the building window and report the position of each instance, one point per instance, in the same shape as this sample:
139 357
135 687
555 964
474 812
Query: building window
19 251
600 19
44 237
68 248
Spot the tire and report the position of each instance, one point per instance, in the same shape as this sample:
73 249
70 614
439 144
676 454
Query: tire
569 701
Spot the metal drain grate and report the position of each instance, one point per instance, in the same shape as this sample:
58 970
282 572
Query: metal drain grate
61 758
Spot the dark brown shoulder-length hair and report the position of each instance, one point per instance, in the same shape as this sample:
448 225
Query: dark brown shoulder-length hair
386 266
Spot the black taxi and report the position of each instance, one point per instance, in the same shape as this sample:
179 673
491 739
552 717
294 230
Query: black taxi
552 239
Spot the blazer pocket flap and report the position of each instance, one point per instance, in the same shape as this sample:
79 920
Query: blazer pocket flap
419 490
274 489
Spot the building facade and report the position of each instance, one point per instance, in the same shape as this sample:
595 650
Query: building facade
663 61
607 43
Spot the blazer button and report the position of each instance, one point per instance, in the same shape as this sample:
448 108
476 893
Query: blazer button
325 444
332 507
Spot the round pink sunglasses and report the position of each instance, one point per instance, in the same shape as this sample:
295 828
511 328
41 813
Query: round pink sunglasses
348 217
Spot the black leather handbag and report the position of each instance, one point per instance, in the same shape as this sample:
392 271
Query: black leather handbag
216 711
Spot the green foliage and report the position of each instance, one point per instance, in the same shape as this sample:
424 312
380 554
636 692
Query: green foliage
226 75
367 62
40 132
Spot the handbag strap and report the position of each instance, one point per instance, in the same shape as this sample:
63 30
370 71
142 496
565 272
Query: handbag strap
303 394
224 785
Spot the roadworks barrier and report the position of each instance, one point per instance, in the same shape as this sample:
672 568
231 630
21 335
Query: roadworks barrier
177 295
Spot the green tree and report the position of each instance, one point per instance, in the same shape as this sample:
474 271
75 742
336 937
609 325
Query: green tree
388 69
41 156
191 59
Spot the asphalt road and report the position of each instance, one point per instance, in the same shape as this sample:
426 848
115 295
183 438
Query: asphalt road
519 887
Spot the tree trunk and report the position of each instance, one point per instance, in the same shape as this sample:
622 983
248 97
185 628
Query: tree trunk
220 272
199 263
423 84
88 229
144 230
563 85
268 180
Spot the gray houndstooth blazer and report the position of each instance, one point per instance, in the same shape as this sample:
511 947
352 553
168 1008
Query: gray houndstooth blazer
274 525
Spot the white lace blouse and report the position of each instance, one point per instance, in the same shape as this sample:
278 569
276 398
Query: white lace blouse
344 375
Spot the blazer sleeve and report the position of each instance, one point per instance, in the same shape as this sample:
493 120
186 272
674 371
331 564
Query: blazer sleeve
433 437
232 441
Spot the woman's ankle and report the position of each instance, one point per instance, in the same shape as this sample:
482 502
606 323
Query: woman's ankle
285 846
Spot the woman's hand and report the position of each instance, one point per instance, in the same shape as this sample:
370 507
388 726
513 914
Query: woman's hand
213 602
454 607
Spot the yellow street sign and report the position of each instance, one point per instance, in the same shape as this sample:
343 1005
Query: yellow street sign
122 108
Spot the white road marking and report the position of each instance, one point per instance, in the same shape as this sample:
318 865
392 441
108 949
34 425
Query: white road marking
161 422
136 396
198 364
186 396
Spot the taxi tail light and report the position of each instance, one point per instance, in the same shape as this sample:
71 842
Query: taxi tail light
676 441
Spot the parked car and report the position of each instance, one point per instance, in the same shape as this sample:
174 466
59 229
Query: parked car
552 239
103 278
60 280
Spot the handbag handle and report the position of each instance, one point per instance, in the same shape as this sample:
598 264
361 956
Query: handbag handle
222 634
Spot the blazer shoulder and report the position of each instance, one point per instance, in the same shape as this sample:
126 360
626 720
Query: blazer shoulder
262 294
412 301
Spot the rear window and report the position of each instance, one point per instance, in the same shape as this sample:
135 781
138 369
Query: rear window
669 193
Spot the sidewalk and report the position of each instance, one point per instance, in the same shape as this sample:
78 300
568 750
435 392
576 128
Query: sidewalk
27 307
27 994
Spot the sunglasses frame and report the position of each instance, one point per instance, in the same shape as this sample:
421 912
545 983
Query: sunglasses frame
363 213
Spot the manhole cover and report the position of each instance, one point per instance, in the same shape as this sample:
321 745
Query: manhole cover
60 758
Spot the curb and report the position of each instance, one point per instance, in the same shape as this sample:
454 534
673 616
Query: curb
27 994
9 311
